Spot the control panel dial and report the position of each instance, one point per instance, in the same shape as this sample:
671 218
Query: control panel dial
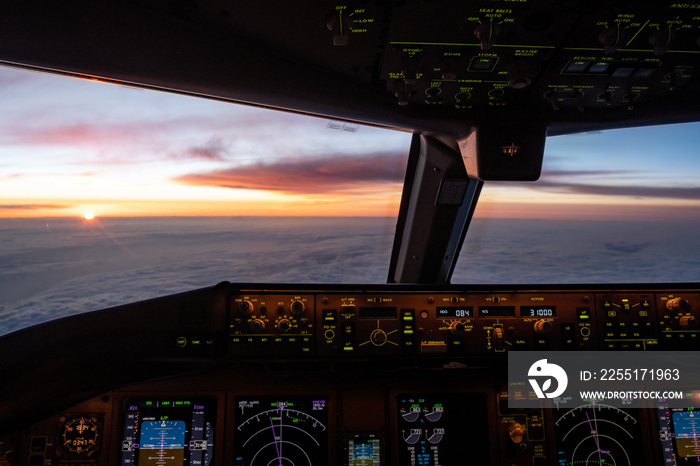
80 435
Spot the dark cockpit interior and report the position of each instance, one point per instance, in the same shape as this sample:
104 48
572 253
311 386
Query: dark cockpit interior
409 373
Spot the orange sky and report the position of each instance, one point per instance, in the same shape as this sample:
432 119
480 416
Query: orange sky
68 146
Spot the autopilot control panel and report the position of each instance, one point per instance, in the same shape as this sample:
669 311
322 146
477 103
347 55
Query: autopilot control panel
363 323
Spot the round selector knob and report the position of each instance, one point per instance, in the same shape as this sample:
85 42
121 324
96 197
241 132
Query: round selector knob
487 33
378 337
519 75
257 325
609 39
448 68
676 304
688 322
660 40
284 325
297 307
246 307
543 326
340 26
457 328
515 432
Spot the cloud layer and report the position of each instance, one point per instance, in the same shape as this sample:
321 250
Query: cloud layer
308 176
71 267
33 206
63 267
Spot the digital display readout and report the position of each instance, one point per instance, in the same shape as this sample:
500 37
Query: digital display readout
168 432
364 452
434 430
679 432
377 313
455 312
496 311
538 311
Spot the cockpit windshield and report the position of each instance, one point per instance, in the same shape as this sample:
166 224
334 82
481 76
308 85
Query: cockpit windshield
616 206
113 194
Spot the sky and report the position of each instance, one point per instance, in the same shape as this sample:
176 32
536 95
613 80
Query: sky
69 146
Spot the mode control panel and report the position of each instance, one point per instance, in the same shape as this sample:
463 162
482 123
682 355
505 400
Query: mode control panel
272 324
401 321
452 323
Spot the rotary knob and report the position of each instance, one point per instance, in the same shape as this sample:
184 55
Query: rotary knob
340 25
457 328
246 307
487 33
284 325
543 327
609 39
660 40
519 75
297 307
257 325
688 322
676 304
378 337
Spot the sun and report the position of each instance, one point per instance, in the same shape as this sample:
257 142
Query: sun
89 215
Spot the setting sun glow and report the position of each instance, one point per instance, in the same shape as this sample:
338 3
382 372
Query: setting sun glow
89 215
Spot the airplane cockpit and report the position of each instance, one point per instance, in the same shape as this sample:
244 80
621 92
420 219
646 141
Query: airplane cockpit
415 370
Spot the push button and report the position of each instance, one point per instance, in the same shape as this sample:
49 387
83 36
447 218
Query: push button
583 314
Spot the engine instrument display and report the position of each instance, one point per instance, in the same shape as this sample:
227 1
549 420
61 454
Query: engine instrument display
434 429
168 432
679 433
598 434
281 431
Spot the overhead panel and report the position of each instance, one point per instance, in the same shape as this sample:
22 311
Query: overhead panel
426 66
543 56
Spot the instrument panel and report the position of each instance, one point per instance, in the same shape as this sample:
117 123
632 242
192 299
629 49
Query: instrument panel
254 417
346 375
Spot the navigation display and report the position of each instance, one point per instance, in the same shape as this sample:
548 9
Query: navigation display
281 431
168 432
596 433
